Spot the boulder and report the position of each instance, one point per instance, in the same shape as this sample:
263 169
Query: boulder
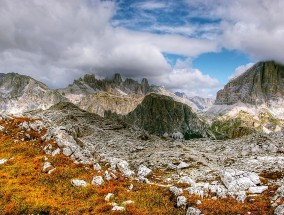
2 161
182 165
176 191
48 149
47 167
186 180
123 167
143 171
109 196
181 201
97 167
193 211
78 183
258 190
56 152
97 180
279 210
236 180
118 208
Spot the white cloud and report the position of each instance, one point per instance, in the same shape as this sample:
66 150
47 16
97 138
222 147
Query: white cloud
254 27
57 41
192 81
150 5
240 70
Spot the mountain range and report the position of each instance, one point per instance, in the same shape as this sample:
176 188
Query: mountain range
249 103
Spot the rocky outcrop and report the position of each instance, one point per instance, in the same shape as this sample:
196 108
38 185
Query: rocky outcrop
19 93
262 83
162 115
198 102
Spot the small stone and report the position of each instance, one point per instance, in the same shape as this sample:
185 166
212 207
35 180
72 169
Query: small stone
182 165
47 167
123 167
198 202
78 183
67 151
48 149
258 190
193 211
118 208
97 167
51 171
130 187
128 202
279 210
55 152
97 180
143 171
2 161
181 201
186 180
241 196
176 191
109 196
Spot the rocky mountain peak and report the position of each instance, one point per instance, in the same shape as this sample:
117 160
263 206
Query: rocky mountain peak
262 83
117 79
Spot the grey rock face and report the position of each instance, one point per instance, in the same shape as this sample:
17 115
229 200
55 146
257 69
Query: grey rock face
260 84
21 93
160 114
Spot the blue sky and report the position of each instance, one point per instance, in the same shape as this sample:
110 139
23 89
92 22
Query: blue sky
193 46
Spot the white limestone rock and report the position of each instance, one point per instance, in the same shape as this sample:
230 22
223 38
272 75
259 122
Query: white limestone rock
193 211
2 161
123 167
236 180
241 196
47 167
67 151
181 201
109 196
56 152
127 202
186 180
1 128
78 183
183 165
118 208
176 191
258 190
97 167
97 180
143 171
48 149
279 210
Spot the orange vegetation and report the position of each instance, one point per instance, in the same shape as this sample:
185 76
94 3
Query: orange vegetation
26 190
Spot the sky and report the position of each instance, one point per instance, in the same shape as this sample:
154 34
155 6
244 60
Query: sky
191 46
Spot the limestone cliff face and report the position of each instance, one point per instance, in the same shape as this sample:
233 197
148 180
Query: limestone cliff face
20 93
159 114
115 95
102 101
262 83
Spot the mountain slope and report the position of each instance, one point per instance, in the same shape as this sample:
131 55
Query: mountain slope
19 93
159 114
262 83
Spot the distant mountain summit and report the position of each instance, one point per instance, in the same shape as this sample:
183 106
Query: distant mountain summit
198 103
90 84
20 93
262 83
